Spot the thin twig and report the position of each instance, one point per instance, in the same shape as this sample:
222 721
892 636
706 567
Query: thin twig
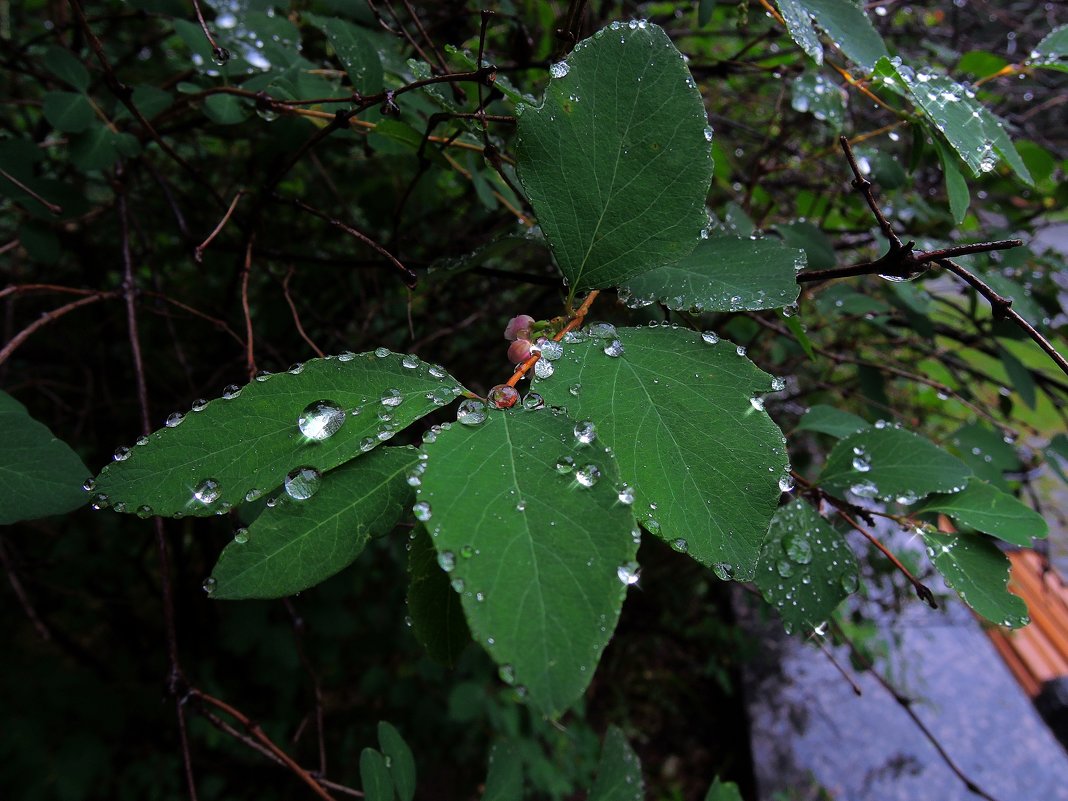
198 252
296 314
52 207
250 346
48 317
1002 309
906 704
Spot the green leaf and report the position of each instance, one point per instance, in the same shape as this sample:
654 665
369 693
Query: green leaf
679 413
247 444
69 112
956 186
401 761
798 330
65 65
704 12
978 571
986 508
42 475
374 776
850 29
891 464
971 129
1052 52
504 781
619 773
806 567
616 161
355 50
1020 378
828 420
435 610
296 544
226 109
980 63
723 791
815 94
986 452
99 147
798 21
535 555
805 235
724 273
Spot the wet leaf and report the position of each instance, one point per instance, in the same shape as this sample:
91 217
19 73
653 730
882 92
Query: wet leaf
296 544
986 508
978 571
806 567
619 773
42 475
891 464
1052 52
504 781
725 273
703 457
399 759
616 161
355 50
534 554
433 606
69 112
828 420
250 442
374 776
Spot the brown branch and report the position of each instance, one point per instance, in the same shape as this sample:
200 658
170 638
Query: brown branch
1002 309
49 317
922 590
176 677
221 53
261 737
250 346
296 314
198 252
52 207
573 323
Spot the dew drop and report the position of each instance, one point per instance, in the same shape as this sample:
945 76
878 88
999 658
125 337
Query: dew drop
575 389
207 491
786 483
585 432
533 401
199 405
346 356
381 353
564 465
447 561
392 397
321 420
797 548
559 69
588 476
543 368
410 362
471 412
241 536
122 453
628 573
502 396
507 674
614 349
174 420
680 545
422 511
302 483
551 350
209 585
626 494
89 485
144 511
231 392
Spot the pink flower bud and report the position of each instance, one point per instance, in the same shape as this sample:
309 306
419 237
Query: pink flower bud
519 326
519 351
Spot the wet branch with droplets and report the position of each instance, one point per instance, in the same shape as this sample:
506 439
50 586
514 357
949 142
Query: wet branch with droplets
902 261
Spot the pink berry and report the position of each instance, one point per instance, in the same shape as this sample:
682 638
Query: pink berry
519 327
519 351
503 396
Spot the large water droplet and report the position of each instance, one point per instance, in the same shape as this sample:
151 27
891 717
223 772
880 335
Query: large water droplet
614 349
588 476
786 483
381 353
628 573
174 420
321 420
209 585
422 511
199 405
503 396
626 494
471 412
564 465
392 397
447 561
207 491
559 69
122 453
723 570
848 581
600 331
241 536
302 483
680 545
543 368
410 362
507 674
711 337
533 401
346 356
551 350
231 392
585 432
861 460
